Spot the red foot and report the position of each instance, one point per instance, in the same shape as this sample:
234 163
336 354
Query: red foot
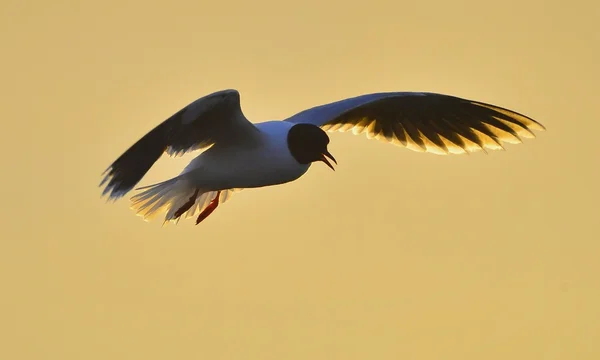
209 209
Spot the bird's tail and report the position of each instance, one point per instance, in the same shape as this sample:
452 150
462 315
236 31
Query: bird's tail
172 195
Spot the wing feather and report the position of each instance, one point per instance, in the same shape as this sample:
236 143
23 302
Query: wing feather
212 119
424 122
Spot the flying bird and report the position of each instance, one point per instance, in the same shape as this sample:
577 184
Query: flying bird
237 154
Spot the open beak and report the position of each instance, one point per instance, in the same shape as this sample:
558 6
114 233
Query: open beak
324 157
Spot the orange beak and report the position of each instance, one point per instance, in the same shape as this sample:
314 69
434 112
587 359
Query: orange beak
324 157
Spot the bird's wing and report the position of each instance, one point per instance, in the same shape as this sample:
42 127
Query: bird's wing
426 122
215 118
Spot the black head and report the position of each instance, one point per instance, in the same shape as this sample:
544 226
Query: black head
308 143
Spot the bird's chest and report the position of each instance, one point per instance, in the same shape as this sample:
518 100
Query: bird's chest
250 166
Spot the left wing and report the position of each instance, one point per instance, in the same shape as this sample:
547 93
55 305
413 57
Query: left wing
426 122
216 118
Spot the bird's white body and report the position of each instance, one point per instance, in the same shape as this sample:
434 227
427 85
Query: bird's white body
247 164
262 159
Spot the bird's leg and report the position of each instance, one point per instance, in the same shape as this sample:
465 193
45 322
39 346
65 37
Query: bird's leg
209 209
185 207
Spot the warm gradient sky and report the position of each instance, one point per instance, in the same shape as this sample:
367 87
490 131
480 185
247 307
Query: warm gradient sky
396 255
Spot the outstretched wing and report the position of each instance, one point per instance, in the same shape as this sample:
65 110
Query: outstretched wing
426 122
215 118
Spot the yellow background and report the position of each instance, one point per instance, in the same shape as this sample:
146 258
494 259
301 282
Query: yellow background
396 255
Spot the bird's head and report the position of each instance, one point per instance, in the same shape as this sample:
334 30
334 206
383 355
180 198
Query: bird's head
308 143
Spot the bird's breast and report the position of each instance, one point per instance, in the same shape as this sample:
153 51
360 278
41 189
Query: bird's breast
249 166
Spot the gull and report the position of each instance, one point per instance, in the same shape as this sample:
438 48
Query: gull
237 154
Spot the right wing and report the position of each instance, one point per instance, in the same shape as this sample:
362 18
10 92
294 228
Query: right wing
424 122
215 118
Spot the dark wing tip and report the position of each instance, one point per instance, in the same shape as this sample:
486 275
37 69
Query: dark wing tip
117 184
125 172
523 120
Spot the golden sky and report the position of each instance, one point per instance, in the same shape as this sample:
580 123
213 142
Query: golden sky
396 255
